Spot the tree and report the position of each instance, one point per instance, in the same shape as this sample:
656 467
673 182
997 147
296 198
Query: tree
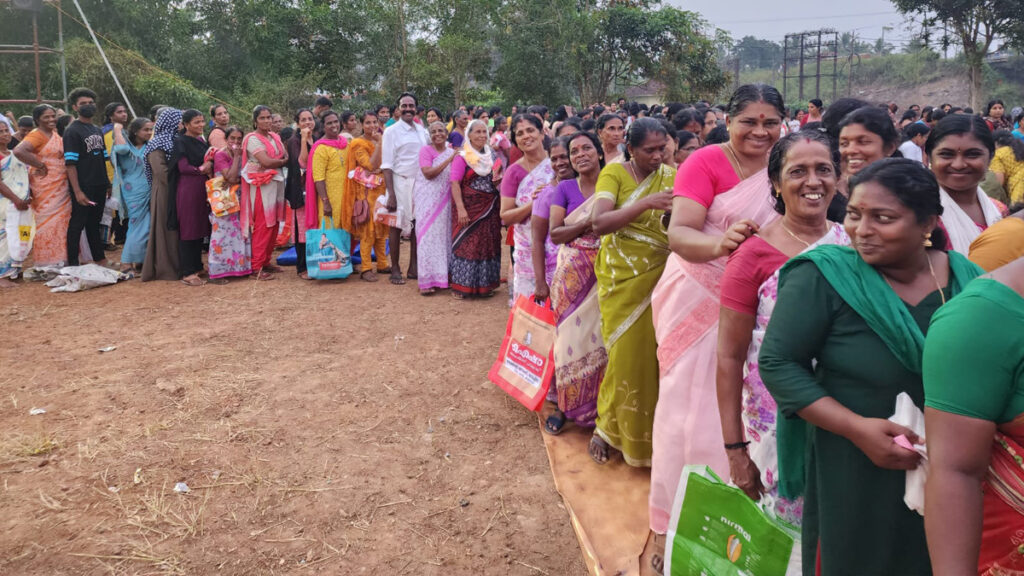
758 53
976 23
532 47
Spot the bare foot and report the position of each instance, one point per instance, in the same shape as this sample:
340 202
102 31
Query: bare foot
598 449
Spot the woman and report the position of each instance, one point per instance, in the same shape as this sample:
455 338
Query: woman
434 115
263 156
132 189
866 135
689 120
1001 243
476 224
221 121
433 206
161 261
709 124
460 120
631 199
15 210
523 183
230 251
580 357
383 116
610 130
351 125
43 151
326 174
543 253
803 180
959 151
500 143
974 511
722 196
190 169
363 155
844 340
1008 164
687 144
995 116
299 146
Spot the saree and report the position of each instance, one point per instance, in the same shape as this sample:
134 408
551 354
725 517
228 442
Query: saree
371 234
51 205
960 228
1003 501
230 250
132 190
17 227
525 277
686 309
629 264
580 357
476 246
759 412
433 206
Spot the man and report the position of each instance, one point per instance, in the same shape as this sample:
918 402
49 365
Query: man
321 105
400 160
24 126
86 160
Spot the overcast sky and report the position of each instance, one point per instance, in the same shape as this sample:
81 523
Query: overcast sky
773 19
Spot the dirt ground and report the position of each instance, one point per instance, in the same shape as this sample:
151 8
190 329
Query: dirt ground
322 427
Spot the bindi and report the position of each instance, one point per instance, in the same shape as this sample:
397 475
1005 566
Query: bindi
762 116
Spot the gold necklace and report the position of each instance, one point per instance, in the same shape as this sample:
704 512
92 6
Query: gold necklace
732 153
797 238
935 278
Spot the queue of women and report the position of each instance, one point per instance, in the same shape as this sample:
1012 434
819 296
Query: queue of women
754 305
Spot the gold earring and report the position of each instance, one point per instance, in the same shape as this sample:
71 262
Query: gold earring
928 240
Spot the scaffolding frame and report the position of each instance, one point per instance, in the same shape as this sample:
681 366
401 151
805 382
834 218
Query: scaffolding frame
815 49
36 50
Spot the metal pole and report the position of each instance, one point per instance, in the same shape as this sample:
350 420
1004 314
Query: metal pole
35 51
801 96
60 46
835 63
817 69
104 55
785 66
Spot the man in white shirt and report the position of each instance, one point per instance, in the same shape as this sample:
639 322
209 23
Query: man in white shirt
400 161
913 148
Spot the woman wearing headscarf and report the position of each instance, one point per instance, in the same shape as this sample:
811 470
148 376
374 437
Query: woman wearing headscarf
190 169
844 340
959 151
132 188
263 157
161 261
43 151
476 224
433 206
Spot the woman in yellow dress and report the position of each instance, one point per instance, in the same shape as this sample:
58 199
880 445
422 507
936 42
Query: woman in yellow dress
363 162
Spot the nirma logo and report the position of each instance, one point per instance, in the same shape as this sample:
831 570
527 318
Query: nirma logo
737 527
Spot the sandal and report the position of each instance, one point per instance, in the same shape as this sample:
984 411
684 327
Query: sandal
412 275
193 282
555 423
304 275
598 449
428 292
396 278
368 276
218 281
458 295
273 269
264 276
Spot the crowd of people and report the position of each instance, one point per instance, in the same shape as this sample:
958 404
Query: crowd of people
744 286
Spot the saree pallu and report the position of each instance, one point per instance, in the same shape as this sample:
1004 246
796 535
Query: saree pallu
580 357
476 247
629 264
525 277
1003 496
371 234
686 308
51 205
433 206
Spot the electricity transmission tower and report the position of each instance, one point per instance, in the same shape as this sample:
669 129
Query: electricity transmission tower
807 56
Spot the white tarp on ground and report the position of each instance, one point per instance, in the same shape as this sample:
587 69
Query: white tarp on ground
78 278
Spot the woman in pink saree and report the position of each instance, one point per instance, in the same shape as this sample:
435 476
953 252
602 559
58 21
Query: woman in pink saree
722 197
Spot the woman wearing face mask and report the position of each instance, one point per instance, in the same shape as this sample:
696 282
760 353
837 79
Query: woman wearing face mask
263 157
959 150
161 262
520 188
230 251
190 169
132 188
433 206
43 151
722 197
580 357
299 146
631 199
844 340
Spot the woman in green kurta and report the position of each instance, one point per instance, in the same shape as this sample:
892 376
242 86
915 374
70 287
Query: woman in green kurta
844 340
631 199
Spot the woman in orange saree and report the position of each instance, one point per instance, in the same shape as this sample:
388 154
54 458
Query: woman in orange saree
43 150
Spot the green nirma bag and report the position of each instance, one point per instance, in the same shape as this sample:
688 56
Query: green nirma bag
716 530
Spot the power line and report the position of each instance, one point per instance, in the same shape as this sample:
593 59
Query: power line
760 20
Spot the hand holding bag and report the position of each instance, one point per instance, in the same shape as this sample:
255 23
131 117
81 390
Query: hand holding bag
222 197
525 364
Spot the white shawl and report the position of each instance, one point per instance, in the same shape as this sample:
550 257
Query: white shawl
959 226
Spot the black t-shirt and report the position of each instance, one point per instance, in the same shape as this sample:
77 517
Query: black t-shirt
84 149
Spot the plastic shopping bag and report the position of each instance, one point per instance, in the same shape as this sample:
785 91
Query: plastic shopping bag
328 255
525 364
382 216
718 530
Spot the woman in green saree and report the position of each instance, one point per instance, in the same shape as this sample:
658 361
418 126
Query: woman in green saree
845 339
631 199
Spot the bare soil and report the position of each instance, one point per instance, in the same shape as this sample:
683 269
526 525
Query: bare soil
322 427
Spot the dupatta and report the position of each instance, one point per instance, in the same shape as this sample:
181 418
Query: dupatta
273 205
312 200
959 226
